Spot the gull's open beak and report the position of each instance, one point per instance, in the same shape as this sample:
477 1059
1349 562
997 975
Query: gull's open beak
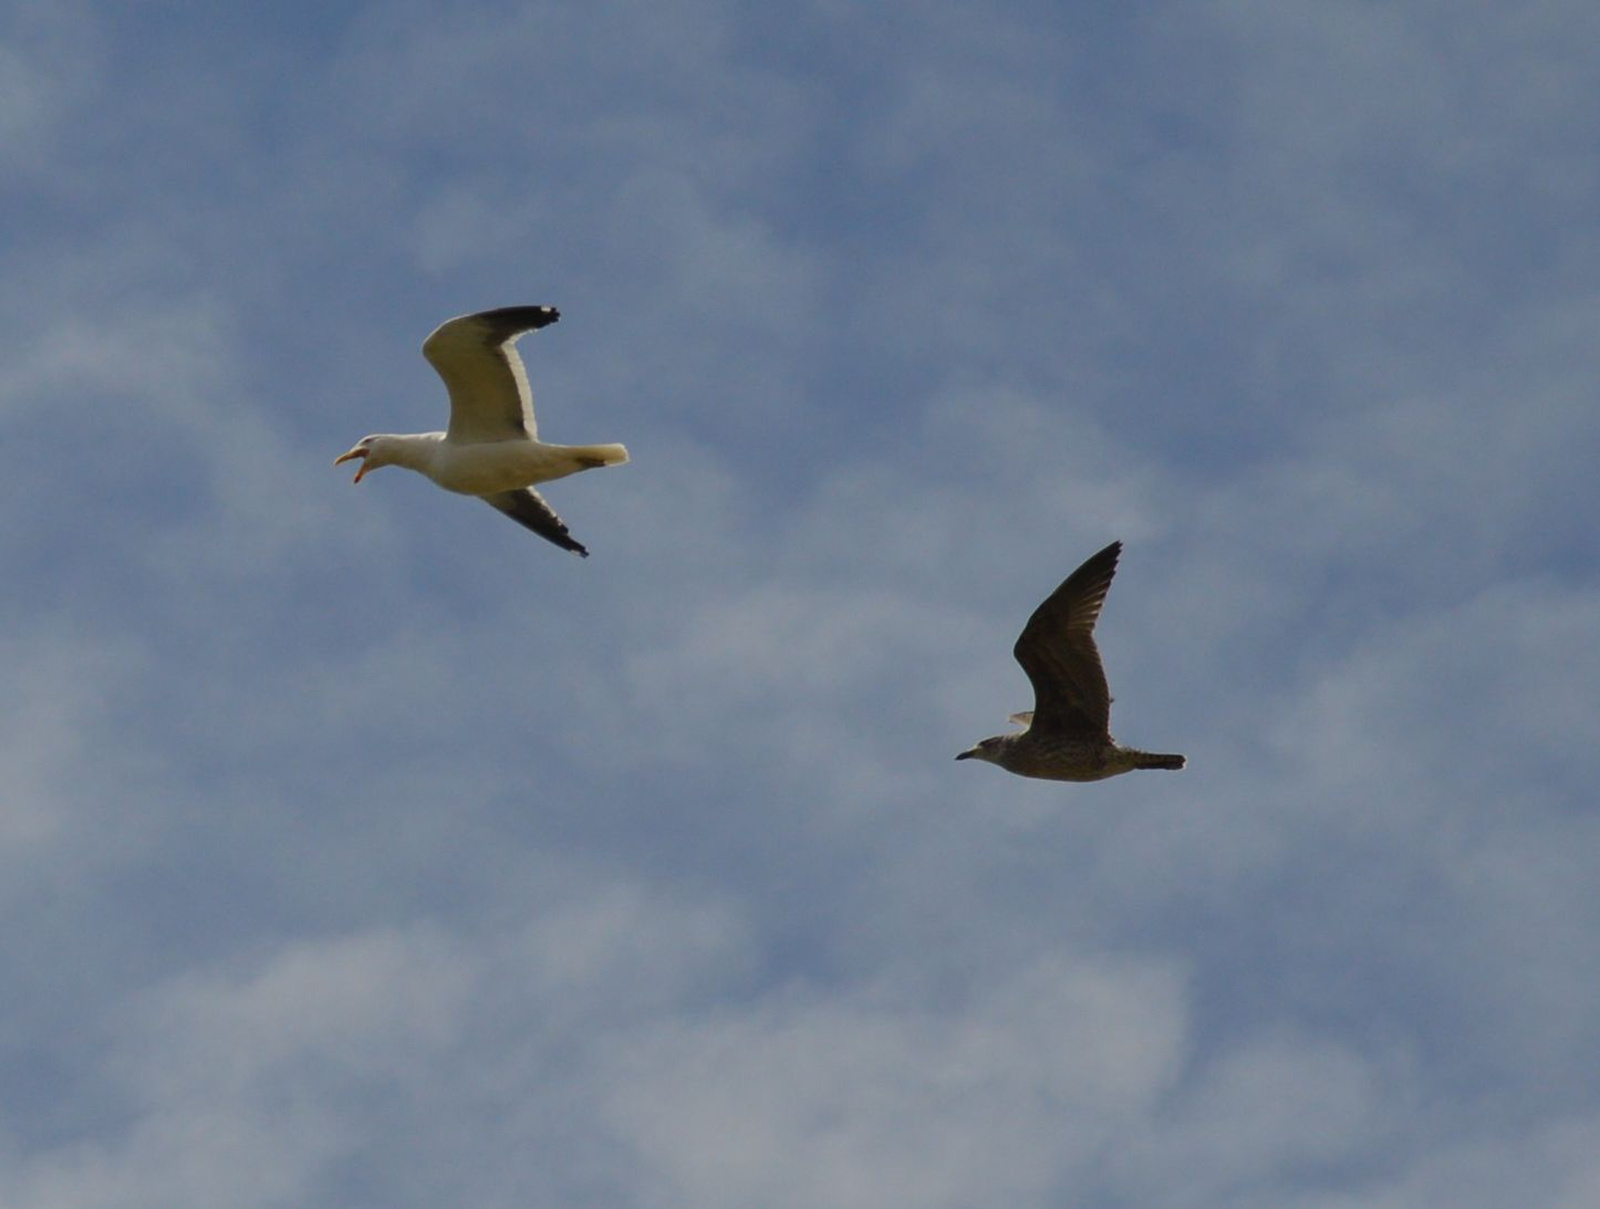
357 452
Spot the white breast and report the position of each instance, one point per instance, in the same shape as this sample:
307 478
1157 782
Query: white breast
486 468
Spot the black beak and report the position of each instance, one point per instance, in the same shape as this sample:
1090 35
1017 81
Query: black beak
966 755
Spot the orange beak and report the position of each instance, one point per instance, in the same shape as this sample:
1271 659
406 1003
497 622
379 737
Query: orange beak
357 452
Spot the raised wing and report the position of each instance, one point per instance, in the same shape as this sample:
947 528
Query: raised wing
476 356
1057 651
528 509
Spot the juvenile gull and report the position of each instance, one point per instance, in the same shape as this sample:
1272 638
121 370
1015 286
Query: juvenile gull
492 448
1066 736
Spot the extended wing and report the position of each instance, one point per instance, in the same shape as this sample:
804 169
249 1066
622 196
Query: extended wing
528 509
1057 651
476 356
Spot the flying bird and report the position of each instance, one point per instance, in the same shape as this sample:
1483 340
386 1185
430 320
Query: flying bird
1066 736
492 448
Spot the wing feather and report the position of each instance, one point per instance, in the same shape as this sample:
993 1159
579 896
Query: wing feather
476 355
528 509
1058 652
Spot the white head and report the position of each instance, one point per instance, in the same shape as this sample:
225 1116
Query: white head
374 451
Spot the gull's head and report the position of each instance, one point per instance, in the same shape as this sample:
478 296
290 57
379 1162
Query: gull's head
373 451
987 749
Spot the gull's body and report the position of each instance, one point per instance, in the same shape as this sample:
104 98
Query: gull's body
1066 736
492 448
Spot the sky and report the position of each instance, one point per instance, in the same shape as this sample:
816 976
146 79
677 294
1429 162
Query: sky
360 849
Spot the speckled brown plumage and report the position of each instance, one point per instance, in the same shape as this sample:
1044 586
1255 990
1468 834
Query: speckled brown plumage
1067 734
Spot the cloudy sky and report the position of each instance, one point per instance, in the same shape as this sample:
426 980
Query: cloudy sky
359 849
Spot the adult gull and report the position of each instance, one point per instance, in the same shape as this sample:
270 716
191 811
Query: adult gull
492 448
1066 736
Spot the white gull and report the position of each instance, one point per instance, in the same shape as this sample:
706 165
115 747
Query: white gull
492 448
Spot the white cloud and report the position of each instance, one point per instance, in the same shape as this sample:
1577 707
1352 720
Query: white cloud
51 58
871 1100
1549 1165
257 1081
375 854
1260 1119
61 688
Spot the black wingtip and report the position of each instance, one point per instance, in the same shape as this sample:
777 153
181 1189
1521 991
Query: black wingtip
523 318
1100 563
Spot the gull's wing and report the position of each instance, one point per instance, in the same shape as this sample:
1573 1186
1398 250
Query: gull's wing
476 356
1057 651
527 508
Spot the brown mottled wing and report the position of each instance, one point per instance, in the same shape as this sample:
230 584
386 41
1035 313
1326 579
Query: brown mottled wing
1057 651
476 356
528 509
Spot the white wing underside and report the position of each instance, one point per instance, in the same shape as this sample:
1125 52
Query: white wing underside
1023 719
476 356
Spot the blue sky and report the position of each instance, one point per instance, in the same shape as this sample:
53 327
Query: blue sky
360 849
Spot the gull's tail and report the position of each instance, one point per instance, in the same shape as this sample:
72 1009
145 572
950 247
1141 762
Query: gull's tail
1153 759
598 455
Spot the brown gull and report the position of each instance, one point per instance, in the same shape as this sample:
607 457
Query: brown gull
1066 736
